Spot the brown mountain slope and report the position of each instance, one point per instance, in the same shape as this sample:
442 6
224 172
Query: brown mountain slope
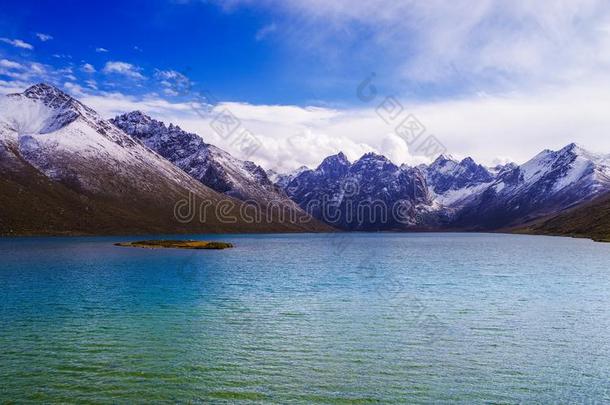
589 220
65 170
33 204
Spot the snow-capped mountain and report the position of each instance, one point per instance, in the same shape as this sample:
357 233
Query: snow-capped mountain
94 177
446 174
450 194
370 194
550 182
65 169
452 182
282 179
207 163
69 142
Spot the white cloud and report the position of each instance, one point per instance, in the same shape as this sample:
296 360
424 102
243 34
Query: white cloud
17 43
101 50
265 31
491 45
30 72
10 64
488 128
44 37
88 68
123 68
38 68
91 84
169 75
170 92
74 89
13 86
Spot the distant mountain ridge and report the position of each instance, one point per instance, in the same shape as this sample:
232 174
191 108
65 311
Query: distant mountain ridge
457 195
66 170
360 195
550 182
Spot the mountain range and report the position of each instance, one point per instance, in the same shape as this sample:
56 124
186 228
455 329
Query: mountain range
450 194
66 170
210 165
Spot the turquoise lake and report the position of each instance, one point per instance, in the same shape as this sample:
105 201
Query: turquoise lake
342 318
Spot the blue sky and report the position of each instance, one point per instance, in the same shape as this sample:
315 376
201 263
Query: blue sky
216 49
266 53
238 53
493 79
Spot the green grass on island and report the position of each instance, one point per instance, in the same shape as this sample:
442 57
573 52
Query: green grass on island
176 244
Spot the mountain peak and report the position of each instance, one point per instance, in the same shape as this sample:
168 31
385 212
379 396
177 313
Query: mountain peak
339 158
64 109
335 164
50 95
442 159
575 148
43 89
373 156
468 161
137 124
137 115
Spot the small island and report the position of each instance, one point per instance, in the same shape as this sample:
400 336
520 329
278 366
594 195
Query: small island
176 244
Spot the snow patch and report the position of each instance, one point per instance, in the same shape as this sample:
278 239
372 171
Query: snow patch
577 171
25 116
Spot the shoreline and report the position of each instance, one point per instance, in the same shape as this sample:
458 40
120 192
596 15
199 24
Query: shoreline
91 235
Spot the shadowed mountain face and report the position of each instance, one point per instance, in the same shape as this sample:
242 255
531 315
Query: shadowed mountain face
212 166
588 220
549 183
446 174
64 169
370 194
451 194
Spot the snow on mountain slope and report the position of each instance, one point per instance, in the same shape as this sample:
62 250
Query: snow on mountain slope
548 183
370 194
463 194
452 182
71 142
45 130
206 163
282 179
558 171
455 198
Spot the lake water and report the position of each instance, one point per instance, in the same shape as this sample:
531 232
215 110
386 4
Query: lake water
345 318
